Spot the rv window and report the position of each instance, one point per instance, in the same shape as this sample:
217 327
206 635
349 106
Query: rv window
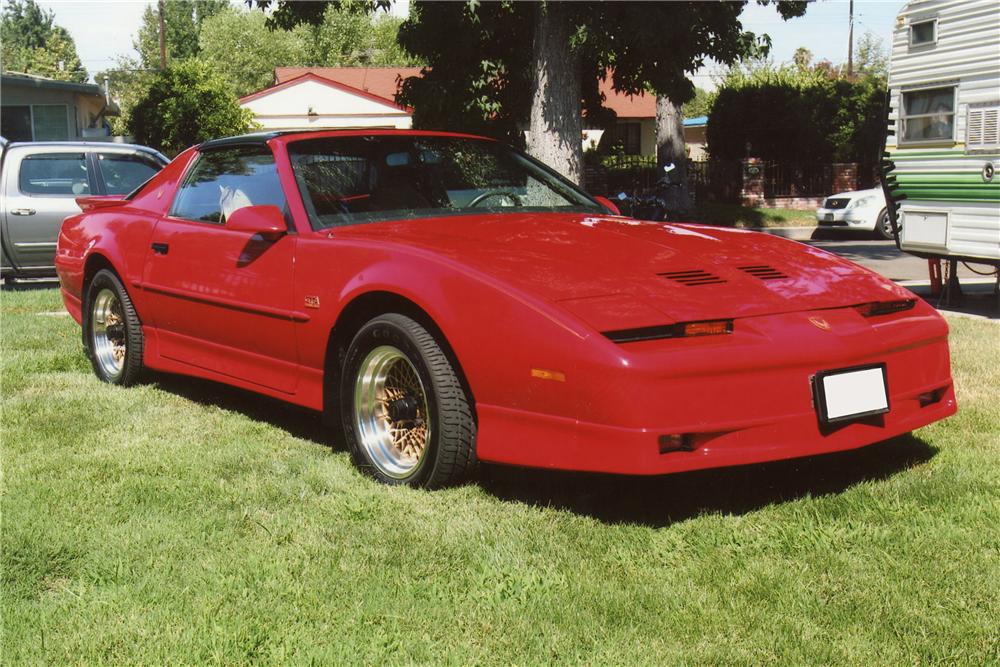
923 32
929 115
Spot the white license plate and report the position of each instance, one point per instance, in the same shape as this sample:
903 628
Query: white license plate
851 393
828 217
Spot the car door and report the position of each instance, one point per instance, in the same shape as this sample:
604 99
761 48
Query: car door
221 299
40 190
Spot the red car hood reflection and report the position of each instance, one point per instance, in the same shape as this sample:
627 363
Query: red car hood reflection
684 272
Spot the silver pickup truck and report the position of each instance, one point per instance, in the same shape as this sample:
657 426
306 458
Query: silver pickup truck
39 184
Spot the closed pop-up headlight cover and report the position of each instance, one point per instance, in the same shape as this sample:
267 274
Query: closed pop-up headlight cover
615 312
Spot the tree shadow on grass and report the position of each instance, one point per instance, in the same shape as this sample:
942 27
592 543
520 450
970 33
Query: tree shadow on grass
663 500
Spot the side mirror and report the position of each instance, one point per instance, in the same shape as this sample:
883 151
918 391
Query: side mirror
608 204
265 220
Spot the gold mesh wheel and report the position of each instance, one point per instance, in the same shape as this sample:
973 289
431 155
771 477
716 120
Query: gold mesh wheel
390 412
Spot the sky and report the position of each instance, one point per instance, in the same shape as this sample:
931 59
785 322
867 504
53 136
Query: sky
103 29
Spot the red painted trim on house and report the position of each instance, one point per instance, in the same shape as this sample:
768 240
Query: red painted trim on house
309 76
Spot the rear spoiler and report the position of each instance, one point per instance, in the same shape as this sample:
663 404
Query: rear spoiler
93 202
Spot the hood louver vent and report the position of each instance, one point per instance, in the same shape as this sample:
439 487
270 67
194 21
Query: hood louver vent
763 272
692 278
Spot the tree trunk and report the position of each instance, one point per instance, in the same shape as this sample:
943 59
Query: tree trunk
670 148
555 128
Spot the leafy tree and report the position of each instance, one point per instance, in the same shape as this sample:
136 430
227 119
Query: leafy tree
183 20
348 36
700 104
185 104
872 58
482 74
238 45
802 58
34 44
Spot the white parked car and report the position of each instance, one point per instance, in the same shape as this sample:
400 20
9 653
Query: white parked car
860 209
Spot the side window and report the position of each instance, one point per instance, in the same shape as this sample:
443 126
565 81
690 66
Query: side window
228 179
54 174
929 115
124 172
924 32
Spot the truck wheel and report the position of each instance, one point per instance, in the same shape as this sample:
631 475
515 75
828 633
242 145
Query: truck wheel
112 334
406 417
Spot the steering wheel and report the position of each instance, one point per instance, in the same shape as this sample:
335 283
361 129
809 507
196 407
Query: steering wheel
478 199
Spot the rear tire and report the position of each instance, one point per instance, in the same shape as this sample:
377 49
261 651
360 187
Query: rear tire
406 418
112 333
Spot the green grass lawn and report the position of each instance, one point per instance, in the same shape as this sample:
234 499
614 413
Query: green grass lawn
732 215
182 522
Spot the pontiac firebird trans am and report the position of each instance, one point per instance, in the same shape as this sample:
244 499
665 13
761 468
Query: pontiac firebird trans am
445 300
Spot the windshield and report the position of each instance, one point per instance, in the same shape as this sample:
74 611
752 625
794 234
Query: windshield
351 180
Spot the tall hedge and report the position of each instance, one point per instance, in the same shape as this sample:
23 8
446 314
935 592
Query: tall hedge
797 117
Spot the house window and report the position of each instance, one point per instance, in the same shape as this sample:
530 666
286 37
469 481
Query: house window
924 32
627 135
928 115
982 127
49 122
38 122
15 123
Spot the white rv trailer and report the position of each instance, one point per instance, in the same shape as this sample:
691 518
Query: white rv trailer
944 84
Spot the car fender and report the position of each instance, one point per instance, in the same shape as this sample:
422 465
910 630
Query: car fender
483 319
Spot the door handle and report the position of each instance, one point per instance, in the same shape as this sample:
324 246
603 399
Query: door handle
22 211
160 248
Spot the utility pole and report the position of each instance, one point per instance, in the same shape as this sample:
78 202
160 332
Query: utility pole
163 37
850 42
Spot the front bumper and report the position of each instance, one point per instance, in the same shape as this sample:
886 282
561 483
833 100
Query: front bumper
857 218
752 410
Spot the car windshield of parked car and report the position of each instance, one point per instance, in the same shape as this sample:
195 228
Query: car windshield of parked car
351 180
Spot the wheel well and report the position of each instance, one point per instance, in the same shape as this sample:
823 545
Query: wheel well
355 315
95 262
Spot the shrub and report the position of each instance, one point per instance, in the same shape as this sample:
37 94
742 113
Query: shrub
186 104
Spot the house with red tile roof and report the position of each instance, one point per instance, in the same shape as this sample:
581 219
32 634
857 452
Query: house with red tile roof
343 97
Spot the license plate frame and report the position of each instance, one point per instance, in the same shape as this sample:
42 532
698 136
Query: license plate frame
828 217
854 386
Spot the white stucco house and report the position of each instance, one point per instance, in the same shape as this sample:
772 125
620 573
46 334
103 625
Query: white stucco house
331 97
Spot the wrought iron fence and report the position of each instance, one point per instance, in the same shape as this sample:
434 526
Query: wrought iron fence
797 180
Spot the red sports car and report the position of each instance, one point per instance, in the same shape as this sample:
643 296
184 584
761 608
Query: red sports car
445 300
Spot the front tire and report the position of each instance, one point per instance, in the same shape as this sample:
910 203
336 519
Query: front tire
112 333
406 418
884 226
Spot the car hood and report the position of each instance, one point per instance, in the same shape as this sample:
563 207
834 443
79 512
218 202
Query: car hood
639 273
857 194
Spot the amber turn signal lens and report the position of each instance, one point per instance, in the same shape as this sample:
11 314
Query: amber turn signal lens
708 328
544 374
